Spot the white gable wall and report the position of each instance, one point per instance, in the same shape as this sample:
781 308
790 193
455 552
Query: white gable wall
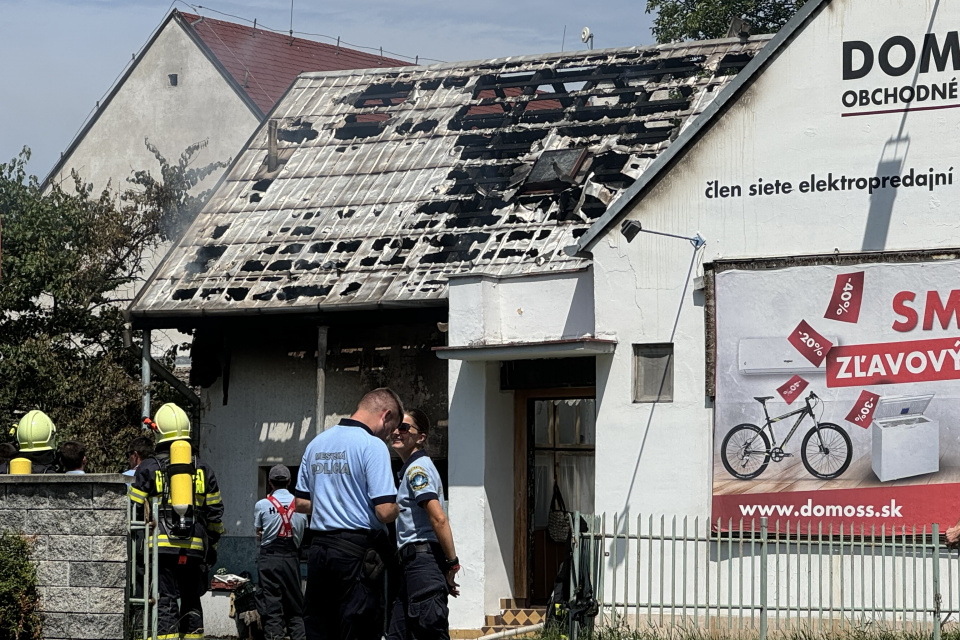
787 126
201 106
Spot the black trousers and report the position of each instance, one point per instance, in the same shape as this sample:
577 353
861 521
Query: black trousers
342 602
186 582
420 609
280 598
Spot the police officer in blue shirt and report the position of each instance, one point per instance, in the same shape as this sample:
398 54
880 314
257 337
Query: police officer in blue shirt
424 538
346 486
279 530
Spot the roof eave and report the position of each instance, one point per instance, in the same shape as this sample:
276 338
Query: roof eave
727 98
163 318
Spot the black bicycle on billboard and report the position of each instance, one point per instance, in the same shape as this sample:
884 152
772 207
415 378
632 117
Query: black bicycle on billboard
826 449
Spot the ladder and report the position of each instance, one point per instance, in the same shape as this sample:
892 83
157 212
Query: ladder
142 554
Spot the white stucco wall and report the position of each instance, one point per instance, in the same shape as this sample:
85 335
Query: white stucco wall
202 106
481 490
269 419
788 125
489 310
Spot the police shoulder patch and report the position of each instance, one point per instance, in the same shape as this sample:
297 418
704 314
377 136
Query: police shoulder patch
417 478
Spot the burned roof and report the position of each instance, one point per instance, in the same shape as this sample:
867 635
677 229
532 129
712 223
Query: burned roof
371 187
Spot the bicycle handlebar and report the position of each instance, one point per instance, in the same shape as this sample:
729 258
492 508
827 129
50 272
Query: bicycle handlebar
813 395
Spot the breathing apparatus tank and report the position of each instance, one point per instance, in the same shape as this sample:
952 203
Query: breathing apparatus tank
21 466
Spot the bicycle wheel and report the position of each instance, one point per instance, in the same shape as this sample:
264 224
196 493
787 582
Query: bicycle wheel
745 451
828 455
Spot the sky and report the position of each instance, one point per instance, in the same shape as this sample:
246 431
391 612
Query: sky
62 57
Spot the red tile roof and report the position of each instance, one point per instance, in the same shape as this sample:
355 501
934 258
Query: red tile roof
266 63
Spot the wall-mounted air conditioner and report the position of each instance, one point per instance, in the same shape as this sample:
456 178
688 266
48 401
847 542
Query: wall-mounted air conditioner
759 356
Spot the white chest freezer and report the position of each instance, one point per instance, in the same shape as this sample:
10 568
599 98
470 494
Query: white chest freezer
905 442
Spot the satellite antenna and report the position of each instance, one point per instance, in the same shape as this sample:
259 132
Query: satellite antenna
586 36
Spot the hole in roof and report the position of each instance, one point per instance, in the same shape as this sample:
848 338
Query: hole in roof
384 95
354 128
237 294
297 132
219 230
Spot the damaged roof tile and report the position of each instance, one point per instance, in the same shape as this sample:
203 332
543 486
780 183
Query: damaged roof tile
390 180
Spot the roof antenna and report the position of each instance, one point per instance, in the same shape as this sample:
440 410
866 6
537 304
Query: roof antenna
254 32
291 23
586 36
563 43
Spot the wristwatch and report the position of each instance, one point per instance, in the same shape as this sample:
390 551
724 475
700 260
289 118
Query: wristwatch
453 564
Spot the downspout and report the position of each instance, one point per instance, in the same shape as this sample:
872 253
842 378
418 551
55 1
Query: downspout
145 374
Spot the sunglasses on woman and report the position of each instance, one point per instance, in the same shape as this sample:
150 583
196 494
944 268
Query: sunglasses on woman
405 427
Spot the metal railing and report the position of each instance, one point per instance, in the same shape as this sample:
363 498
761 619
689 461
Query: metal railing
142 556
751 577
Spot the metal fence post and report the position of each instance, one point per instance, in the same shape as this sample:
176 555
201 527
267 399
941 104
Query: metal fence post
763 579
936 581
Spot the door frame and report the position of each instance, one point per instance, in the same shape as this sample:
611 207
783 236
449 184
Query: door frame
521 499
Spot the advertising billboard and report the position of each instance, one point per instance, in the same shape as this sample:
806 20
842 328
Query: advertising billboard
838 395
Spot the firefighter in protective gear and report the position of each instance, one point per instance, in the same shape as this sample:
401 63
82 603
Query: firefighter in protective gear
37 440
188 529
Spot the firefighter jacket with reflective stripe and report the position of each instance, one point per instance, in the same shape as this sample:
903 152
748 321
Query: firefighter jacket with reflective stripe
150 480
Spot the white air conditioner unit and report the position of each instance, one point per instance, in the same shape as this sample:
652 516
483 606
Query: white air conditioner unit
759 356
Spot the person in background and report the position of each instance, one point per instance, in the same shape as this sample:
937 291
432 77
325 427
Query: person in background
346 485
73 457
424 538
139 449
8 451
279 532
37 441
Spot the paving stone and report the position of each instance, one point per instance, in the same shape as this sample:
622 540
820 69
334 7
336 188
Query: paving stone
101 600
39 544
68 548
12 519
64 599
53 574
91 626
56 626
45 496
97 574
110 496
111 548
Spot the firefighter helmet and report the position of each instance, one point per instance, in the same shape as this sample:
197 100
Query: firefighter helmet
172 423
36 432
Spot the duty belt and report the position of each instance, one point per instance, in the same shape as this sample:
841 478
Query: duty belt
409 550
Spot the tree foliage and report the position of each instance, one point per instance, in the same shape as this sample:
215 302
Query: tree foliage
71 260
708 19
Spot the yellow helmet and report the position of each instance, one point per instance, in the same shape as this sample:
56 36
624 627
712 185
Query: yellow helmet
36 432
172 423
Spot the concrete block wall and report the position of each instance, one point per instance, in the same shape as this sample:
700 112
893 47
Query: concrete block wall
78 524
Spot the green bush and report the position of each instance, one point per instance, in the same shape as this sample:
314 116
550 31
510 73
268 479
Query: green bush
19 599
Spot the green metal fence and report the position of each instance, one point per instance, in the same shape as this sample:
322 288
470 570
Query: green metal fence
749 576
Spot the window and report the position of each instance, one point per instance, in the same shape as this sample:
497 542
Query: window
173 79
653 373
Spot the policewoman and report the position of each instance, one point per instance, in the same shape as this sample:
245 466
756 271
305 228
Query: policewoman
187 534
424 538
346 485
279 530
